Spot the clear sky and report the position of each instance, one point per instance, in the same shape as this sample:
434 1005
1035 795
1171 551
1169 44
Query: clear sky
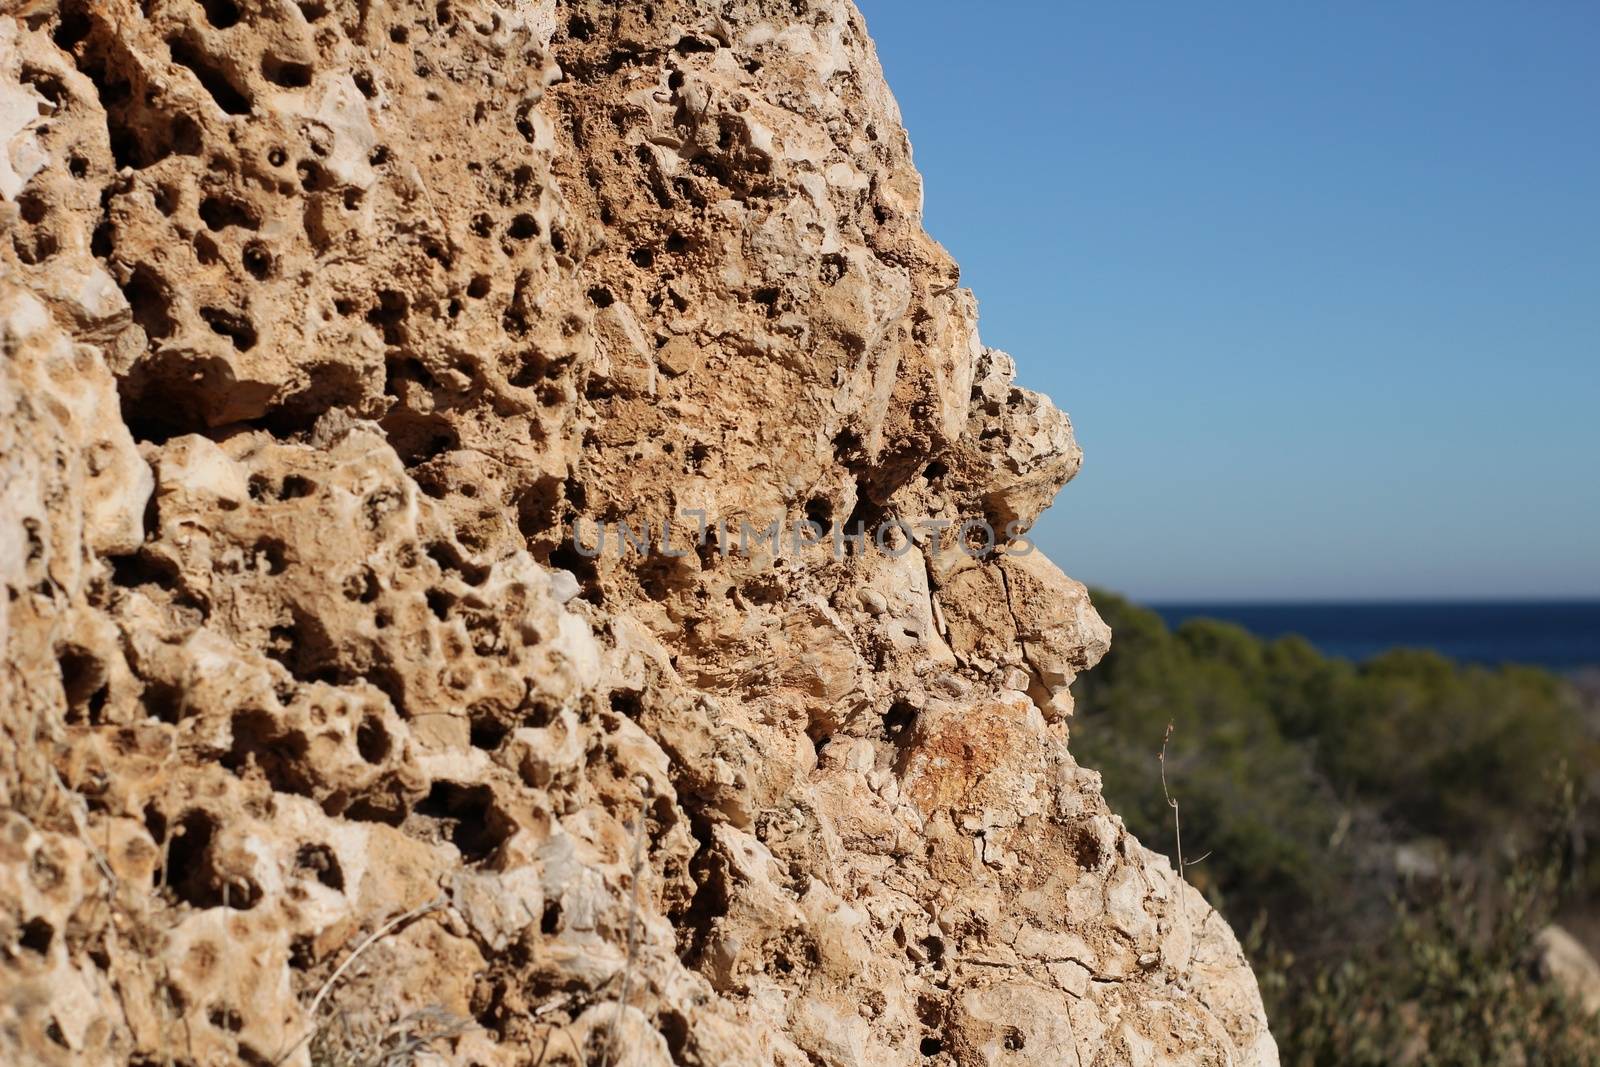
1319 284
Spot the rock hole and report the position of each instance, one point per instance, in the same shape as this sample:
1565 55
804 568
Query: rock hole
847 447
769 299
1086 850
150 302
186 137
312 10
260 740
627 703
440 603
205 249
819 510
155 823
220 212
162 701
601 297
487 731
372 740
690 43
36 935
33 207
45 84
319 862
931 1046
100 243
257 261
235 327
390 683
468 817
73 26
362 586
674 1029
192 872
168 198
296 486
695 457
390 315
287 73
579 28
550 920
898 720
533 368
566 557
273 553
643 257
450 561
212 78
220 13
85 681
223 1017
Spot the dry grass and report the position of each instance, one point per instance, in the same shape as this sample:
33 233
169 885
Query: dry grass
340 1043
353 1049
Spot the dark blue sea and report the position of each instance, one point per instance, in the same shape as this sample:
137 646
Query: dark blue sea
1562 635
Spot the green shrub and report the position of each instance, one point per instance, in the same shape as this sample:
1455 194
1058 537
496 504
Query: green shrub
1300 774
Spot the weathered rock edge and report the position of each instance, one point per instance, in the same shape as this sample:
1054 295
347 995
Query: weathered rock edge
319 322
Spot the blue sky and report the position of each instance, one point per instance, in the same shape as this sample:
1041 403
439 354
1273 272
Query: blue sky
1320 286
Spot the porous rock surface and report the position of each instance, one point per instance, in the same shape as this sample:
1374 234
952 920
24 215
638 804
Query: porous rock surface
321 322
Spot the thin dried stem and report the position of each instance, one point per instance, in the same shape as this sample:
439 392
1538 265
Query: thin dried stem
633 930
1177 824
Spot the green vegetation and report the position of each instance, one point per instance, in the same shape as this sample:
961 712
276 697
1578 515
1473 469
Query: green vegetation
1389 835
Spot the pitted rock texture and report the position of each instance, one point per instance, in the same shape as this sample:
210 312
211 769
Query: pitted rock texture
321 325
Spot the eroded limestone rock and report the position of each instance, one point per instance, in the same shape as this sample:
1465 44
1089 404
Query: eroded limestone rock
321 323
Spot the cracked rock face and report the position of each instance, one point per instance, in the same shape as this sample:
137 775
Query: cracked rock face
321 325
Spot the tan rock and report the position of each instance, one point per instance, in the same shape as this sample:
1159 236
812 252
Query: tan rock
317 333
1563 961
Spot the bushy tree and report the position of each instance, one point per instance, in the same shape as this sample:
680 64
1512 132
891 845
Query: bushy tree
1300 774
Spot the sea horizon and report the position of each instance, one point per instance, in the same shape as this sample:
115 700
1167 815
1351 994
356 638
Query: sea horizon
1317 601
1558 633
